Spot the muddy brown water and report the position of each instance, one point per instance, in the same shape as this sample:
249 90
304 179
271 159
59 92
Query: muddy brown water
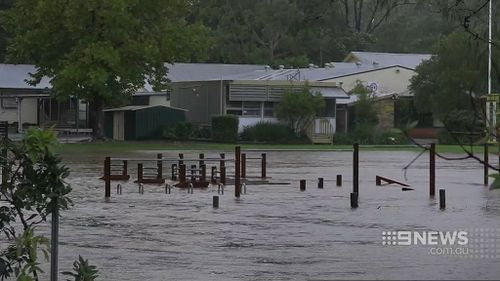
276 232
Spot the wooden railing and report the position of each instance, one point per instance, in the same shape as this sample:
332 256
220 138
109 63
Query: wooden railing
321 130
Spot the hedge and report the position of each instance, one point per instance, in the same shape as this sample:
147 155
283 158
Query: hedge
225 128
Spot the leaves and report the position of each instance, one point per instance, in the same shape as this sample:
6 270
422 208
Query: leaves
82 271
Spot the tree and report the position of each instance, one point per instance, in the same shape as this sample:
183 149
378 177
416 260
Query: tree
101 51
365 114
298 109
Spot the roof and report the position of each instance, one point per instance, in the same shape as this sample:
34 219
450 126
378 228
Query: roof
370 58
140 107
184 72
14 76
339 69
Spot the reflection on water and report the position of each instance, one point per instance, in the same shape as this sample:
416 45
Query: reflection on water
276 232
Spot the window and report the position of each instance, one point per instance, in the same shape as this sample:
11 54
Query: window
269 109
251 108
8 103
169 93
234 108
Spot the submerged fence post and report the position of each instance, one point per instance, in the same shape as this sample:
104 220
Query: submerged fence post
263 166
302 185
159 165
201 162
139 172
107 177
339 180
355 168
485 163
320 182
354 199
432 170
243 165
203 173
222 163
182 174
125 168
181 156
442 199
223 175
215 201
237 171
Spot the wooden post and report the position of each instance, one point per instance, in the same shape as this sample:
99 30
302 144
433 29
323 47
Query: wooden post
223 175
320 182
125 168
181 156
339 180
182 174
215 201
485 164
222 163
213 175
442 199
237 171
174 176
203 173
107 177
201 162
432 170
243 165
159 165
354 200
378 181
355 168
302 185
193 172
263 166
139 172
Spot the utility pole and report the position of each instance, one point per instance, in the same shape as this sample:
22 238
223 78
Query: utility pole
491 106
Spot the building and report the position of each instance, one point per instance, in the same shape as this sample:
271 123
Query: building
253 101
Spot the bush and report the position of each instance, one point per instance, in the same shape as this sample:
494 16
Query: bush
392 137
343 138
270 133
225 128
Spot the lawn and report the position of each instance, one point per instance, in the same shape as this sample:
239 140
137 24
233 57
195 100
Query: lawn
112 146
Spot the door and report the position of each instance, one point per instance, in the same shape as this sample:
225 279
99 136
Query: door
119 125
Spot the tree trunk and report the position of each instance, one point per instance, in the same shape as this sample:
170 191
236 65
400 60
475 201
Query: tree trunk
97 119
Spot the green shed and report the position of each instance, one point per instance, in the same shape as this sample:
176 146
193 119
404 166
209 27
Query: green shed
141 122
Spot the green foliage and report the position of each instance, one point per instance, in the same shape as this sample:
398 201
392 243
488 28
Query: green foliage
82 271
186 131
298 109
225 128
101 51
365 115
34 185
270 133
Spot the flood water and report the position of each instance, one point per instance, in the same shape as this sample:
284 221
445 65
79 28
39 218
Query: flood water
276 232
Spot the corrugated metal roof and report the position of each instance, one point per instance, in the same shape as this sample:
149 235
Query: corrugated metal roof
406 60
309 74
14 76
139 107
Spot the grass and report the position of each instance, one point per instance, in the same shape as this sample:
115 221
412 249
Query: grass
129 146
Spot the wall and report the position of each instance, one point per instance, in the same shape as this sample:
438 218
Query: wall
29 112
158 100
201 99
391 80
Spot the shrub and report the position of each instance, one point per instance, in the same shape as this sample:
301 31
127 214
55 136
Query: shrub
269 132
225 128
343 138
